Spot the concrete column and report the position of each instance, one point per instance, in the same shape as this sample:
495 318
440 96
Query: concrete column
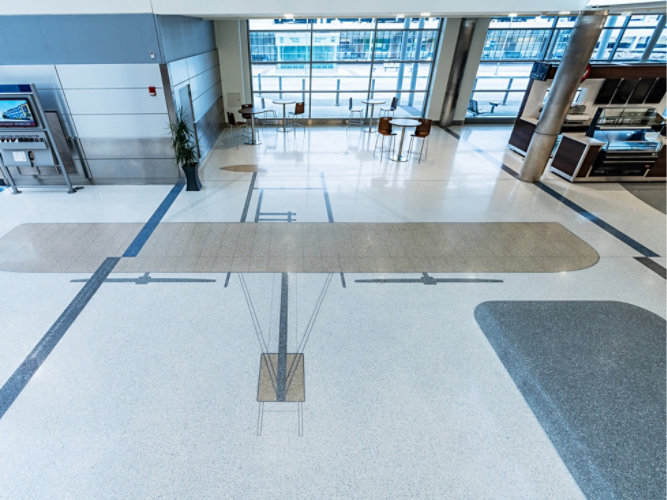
568 76
456 72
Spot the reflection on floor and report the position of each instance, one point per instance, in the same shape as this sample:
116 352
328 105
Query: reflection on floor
195 383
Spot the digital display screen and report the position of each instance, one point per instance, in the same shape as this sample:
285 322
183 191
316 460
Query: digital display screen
16 113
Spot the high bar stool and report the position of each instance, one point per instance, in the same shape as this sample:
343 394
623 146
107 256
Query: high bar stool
384 130
299 110
353 111
422 131
267 113
392 107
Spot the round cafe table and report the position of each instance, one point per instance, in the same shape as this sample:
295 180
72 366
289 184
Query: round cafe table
252 112
284 102
403 123
372 102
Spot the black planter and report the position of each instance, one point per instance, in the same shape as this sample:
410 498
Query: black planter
192 177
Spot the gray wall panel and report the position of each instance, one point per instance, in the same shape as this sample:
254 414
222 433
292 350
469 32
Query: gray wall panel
43 76
109 76
204 81
128 148
115 101
205 101
201 62
53 100
183 36
122 126
178 72
65 39
137 170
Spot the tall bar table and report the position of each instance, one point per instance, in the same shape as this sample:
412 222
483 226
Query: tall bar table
284 102
403 123
372 102
252 112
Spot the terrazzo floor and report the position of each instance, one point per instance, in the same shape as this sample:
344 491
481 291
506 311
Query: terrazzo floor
151 388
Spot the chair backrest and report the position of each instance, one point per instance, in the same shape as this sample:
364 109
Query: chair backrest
299 108
350 105
231 119
246 106
394 103
473 106
384 127
263 103
424 128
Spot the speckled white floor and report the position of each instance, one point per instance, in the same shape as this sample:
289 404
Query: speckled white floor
151 393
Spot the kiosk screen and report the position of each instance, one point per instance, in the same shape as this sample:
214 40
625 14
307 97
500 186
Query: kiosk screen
16 113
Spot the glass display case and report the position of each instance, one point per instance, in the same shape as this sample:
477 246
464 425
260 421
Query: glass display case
631 142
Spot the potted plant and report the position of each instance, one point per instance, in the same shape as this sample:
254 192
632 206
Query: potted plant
185 151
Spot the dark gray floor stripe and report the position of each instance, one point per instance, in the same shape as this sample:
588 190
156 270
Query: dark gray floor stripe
246 206
653 266
330 216
282 341
486 155
259 205
20 378
593 373
145 233
631 242
327 201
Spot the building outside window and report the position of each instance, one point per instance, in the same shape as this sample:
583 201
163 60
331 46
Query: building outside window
325 62
514 43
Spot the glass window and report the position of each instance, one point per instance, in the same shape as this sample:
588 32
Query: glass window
605 45
659 51
633 44
327 61
341 77
501 82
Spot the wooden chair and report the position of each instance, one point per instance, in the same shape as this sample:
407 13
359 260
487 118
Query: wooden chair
353 112
299 110
246 116
421 132
392 107
235 125
384 130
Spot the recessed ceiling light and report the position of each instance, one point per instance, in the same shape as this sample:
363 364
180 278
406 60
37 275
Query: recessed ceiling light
400 16
425 14
564 12
512 14
288 16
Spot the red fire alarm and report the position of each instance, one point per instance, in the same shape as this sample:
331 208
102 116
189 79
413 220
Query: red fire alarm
152 91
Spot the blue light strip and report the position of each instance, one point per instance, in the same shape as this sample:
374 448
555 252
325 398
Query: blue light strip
20 378
145 233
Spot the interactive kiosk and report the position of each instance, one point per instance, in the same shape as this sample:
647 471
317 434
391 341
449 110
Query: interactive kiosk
28 148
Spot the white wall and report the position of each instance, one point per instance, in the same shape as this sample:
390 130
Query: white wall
276 8
327 8
231 39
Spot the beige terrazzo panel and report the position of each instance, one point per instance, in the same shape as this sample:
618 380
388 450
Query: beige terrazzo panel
301 247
